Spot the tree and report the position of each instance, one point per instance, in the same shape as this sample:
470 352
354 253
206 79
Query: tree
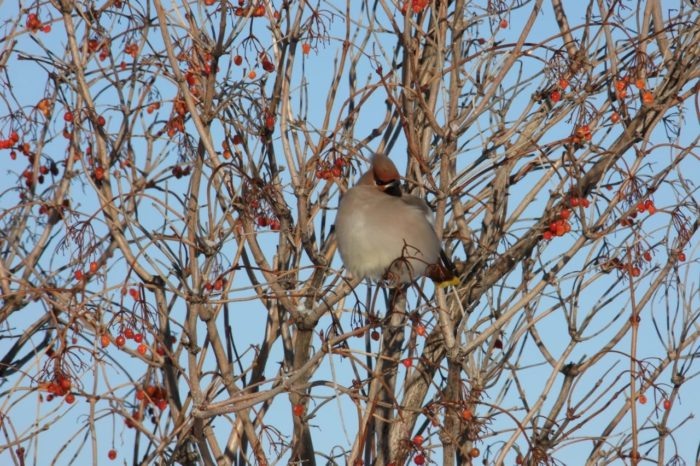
170 292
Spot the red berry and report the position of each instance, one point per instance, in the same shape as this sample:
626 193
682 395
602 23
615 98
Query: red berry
420 329
408 362
112 454
298 410
555 96
104 340
420 459
503 23
268 66
129 333
667 404
138 338
647 256
681 256
238 60
418 440
120 340
649 206
70 398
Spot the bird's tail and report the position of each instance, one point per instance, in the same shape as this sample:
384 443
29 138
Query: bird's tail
444 273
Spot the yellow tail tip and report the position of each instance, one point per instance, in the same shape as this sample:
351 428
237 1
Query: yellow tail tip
451 282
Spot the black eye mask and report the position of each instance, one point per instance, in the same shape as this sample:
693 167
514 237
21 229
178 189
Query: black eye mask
392 188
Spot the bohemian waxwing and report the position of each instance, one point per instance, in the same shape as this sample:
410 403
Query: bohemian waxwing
383 233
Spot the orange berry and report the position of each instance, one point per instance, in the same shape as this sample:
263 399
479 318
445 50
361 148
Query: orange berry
642 398
418 440
104 340
474 452
306 48
647 97
420 329
252 74
563 83
467 414
142 348
615 117
70 398
504 23
555 96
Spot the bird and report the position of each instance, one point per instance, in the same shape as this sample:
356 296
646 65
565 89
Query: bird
384 234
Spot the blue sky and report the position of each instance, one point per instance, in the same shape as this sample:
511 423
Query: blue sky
248 316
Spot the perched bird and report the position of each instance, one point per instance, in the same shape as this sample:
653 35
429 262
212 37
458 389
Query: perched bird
385 234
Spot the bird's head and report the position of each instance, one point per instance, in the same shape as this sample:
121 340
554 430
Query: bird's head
383 175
